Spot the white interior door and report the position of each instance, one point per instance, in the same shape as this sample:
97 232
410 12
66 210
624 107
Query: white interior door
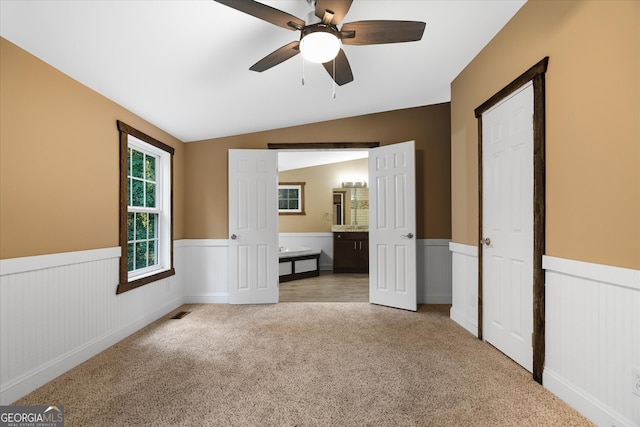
392 226
507 201
253 226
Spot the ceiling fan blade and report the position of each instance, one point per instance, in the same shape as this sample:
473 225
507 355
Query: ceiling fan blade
337 8
266 13
343 73
380 32
277 56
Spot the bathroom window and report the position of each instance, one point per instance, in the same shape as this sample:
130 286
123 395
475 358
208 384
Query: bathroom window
145 209
291 198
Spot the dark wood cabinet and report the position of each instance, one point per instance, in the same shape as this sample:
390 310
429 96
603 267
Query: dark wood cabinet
351 252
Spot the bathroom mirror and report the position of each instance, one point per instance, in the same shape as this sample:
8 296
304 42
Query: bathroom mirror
351 206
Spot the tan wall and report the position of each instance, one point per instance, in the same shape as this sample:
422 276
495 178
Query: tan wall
320 182
59 161
206 175
593 124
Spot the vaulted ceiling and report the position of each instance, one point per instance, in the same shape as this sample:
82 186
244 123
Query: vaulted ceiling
184 65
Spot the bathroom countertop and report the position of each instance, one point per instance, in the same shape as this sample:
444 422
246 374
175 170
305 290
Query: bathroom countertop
349 228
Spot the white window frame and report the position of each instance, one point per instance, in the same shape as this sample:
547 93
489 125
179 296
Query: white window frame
163 207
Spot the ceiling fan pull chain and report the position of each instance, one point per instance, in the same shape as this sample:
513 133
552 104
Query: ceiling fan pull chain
333 95
302 71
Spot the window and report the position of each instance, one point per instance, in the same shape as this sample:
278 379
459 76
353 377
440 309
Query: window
291 198
145 209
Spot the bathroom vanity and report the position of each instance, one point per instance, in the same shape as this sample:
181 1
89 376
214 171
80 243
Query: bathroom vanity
351 252
351 228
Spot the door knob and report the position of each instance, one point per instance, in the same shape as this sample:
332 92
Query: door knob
234 237
407 236
485 241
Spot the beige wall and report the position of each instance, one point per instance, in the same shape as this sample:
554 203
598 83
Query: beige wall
206 175
59 161
320 182
593 125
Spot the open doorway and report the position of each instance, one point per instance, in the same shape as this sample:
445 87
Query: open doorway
335 201
253 226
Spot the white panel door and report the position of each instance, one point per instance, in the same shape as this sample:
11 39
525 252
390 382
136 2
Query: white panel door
253 226
507 201
392 226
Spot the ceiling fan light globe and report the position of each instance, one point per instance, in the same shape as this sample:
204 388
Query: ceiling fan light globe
319 47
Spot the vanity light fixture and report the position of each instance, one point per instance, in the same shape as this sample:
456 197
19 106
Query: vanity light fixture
354 184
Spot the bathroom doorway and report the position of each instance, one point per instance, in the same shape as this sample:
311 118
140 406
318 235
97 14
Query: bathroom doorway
254 231
331 203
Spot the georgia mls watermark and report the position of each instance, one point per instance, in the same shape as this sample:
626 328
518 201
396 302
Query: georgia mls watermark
31 416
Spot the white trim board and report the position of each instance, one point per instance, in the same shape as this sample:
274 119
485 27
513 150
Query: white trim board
41 262
618 276
463 249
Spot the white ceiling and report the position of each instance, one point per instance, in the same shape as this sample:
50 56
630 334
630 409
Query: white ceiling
184 65
291 159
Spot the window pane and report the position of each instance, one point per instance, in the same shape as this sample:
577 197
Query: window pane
293 194
130 256
282 194
151 195
153 245
137 159
141 255
293 204
138 193
150 168
153 229
141 226
130 225
283 204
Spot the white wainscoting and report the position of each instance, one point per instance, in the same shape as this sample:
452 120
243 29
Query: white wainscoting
592 332
434 271
593 339
205 270
56 311
464 286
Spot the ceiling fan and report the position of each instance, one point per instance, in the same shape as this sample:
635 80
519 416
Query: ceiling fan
320 40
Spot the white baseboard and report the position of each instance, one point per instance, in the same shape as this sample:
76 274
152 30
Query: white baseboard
461 319
585 403
211 298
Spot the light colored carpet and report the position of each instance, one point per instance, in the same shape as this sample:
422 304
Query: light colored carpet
303 364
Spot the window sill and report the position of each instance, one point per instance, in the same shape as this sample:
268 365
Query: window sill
124 287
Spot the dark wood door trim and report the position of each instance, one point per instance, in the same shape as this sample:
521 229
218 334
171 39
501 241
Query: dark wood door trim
536 74
321 145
